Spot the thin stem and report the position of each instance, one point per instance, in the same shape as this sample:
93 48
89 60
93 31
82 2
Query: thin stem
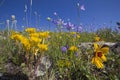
78 13
30 12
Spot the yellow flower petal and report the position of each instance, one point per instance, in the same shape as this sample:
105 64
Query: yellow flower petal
95 46
103 58
43 47
73 48
30 30
105 50
93 60
99 64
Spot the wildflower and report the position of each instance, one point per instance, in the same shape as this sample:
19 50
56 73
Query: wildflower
82 7
16 36
63 49
75 35
44 34
97 38
48 18
34 34
99 55
13 17
97 61
79 29
30 30
78 36
76 54
55 13
73 48
69 26
58 22
35 40
26 44
43 47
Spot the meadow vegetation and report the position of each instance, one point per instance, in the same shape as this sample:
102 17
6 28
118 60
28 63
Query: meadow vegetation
68 60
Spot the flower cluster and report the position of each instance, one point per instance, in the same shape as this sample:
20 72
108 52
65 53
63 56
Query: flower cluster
62 24
35 41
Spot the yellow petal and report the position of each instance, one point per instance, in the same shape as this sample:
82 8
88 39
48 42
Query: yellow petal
105 50
99 59
95 46
93 60
103 58
99 64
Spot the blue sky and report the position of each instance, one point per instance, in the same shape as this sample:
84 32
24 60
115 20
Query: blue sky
97 13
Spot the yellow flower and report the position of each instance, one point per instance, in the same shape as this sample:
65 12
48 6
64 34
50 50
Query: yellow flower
73 48
35 40
30 30
34 34
43 47
99 55
78 36
100 48
73 33
17 36
97 38
26 44
23 40
44 34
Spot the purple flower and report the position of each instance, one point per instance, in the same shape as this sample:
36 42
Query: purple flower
75 35
76 54
55 13
63 49
79 29
82 7
69 26
58 22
